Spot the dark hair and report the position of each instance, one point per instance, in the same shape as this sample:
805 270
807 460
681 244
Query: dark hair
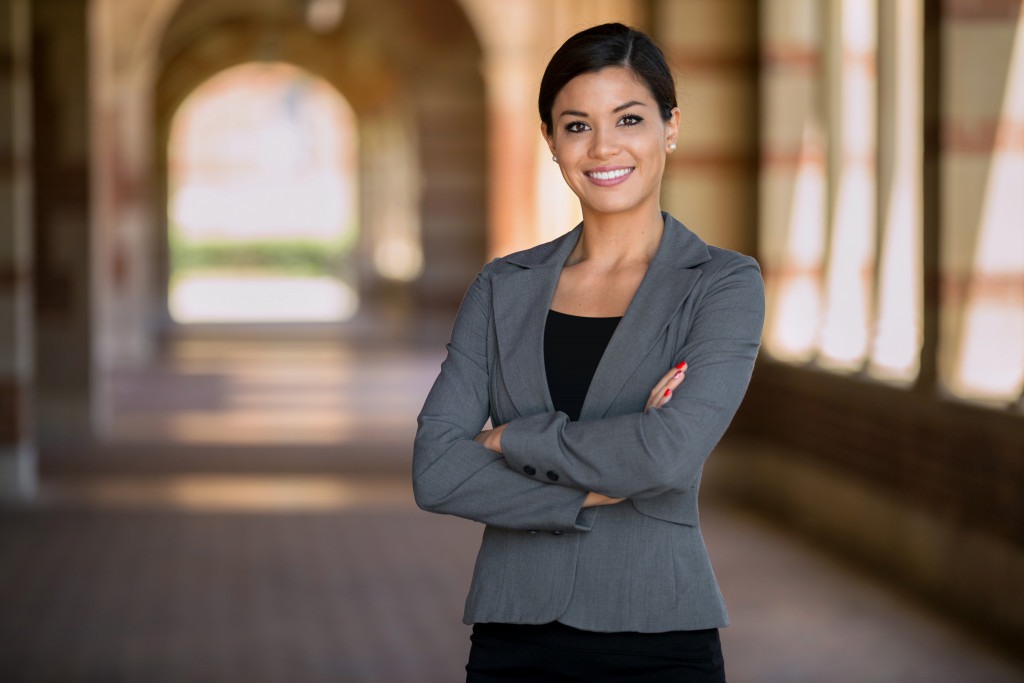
608 45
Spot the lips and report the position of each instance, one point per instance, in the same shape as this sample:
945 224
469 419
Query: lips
609 175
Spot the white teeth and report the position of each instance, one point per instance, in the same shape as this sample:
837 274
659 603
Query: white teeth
608 175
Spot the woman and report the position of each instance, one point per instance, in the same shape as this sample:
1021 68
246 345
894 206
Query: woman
592 565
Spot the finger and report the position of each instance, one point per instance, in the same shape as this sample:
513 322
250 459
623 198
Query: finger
665 398
658 401
677 378
662 392
671 379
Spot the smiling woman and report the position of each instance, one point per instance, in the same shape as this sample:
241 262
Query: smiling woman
608 131
577 351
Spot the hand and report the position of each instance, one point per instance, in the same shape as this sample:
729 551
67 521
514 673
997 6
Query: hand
596 499
491 438
662 391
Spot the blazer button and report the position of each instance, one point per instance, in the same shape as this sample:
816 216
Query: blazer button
530 470
532 531
557 532
552 475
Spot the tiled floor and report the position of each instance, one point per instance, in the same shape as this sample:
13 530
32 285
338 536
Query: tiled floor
170 556
99 589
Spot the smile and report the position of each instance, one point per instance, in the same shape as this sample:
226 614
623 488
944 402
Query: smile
609 177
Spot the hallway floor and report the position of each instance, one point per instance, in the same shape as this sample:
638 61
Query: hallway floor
251 520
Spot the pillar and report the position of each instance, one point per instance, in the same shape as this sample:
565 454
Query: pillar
711 179
981 344
62 241
792 202
17 449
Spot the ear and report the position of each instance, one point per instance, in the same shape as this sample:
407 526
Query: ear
550 139
672 127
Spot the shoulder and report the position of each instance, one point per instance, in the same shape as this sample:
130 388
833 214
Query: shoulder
688 250
723 272
732 280
724 261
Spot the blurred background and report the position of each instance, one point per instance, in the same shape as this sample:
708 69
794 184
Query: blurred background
234 236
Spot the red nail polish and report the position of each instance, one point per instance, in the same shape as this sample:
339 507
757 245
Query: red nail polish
667 392
681 365
679 373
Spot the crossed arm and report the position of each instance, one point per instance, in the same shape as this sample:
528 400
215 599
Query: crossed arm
457 469
659 396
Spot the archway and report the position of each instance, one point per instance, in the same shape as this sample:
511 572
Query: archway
413 81
262 199
411 73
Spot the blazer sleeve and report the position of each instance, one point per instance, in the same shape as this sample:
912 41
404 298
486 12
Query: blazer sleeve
452 473
642 455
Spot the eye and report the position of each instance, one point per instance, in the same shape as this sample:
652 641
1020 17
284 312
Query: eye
630 120
577 127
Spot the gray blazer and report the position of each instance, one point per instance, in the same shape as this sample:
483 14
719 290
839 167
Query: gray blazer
639 565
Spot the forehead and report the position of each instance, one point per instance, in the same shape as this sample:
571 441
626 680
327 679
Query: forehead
607 88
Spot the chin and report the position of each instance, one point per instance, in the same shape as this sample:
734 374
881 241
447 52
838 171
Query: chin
612 205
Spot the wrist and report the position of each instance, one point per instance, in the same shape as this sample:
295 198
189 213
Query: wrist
494 438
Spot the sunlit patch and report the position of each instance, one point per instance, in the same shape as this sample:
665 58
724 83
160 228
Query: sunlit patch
797 316
851 264
796 289
247 299
990 363
234 493
841 292
322 16
896 345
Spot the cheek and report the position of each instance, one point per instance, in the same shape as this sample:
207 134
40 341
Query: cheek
569 148
655 154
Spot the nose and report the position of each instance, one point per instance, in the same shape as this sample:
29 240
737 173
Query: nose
603 143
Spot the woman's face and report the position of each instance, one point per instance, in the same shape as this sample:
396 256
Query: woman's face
610 140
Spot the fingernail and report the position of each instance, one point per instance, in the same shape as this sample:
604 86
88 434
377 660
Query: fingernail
681 365
679 373
667 392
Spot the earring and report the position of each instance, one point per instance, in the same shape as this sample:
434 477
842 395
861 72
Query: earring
554 158
672 147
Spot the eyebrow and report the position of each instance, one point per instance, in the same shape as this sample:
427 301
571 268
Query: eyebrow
627 105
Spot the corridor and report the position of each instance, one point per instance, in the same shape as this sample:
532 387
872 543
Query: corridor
213 485
251 519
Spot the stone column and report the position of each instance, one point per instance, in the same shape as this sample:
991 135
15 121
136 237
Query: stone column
792 203
897 336
510 76
17 449
63 246
711 179
982 245
851 114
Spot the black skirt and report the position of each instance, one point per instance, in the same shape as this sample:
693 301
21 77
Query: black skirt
556 652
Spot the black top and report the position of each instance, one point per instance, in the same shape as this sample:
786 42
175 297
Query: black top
573 346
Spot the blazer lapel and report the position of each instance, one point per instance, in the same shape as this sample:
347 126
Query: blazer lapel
668 282
521 300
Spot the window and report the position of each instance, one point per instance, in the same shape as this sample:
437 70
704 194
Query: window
841 191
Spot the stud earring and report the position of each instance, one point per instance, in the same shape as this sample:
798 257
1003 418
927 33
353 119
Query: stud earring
554 158
672 147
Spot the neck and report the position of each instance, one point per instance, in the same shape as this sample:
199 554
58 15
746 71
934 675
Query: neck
620 237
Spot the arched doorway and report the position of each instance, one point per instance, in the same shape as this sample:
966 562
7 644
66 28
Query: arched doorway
262 199
411 73
413 81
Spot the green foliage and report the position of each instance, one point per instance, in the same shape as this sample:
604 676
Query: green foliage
296 257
